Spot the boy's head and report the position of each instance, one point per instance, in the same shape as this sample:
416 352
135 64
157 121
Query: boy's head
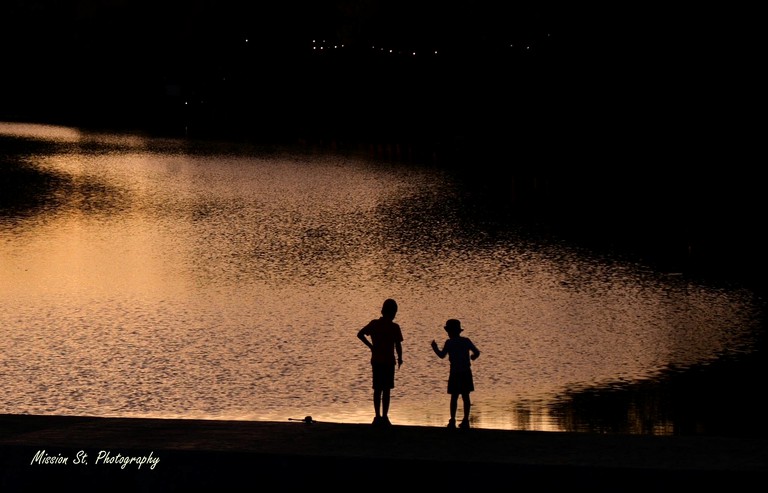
389 308
453 327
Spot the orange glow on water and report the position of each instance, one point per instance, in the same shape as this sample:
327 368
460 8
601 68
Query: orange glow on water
230 285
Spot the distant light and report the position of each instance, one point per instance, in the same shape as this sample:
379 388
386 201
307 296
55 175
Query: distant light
246 40
414 53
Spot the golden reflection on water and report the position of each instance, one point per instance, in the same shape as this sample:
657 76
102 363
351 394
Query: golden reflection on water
230 284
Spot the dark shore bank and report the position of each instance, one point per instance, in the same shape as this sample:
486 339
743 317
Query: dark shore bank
178 455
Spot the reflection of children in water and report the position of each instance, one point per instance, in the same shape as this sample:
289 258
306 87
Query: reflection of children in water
386 340
460 351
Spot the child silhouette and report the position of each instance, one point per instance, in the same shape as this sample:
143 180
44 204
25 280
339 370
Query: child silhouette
385 341
460 351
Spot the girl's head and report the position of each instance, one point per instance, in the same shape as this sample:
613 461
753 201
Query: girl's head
453 327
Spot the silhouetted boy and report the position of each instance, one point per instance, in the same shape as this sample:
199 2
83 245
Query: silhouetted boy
460 351
386 340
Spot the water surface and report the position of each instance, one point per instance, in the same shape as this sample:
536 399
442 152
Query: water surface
168 278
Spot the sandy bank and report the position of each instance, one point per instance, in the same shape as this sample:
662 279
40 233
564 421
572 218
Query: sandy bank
173 455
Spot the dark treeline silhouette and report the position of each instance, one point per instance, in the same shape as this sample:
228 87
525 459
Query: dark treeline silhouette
235 68
633 125
232 66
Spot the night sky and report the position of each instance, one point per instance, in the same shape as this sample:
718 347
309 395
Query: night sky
545 77
654 104
119 61
124 61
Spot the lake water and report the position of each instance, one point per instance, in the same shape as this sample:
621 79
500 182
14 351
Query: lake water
150 277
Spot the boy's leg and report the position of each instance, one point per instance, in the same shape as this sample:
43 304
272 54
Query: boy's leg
385 394
377 402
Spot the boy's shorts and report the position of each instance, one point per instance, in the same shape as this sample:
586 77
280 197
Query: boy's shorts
383 376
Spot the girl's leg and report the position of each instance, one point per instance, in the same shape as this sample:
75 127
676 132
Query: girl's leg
454 405
467 405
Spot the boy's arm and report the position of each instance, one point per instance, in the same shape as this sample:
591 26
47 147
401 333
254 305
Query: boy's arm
399 350
361 336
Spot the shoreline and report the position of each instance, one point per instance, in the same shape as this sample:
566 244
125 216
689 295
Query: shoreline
149 454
